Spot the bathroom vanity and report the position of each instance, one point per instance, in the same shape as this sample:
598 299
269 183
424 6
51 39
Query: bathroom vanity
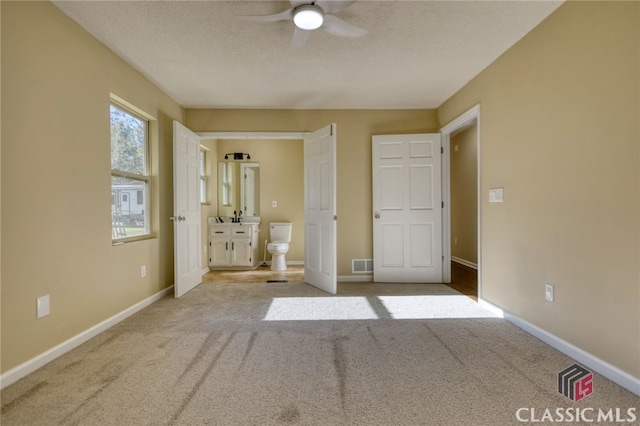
233 245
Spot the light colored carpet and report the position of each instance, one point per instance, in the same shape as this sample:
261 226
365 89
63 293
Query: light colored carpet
211 357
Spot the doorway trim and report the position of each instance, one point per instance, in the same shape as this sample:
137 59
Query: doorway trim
252 135
458 123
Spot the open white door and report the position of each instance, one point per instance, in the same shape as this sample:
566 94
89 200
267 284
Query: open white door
320 209
186 209
407 208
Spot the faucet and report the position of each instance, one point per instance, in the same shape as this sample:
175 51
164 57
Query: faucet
236 216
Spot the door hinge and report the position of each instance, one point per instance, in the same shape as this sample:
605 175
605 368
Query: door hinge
443 259
335 217
443 204
441 150
250 243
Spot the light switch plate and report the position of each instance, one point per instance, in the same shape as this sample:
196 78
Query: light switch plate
496 195
548 292
42 306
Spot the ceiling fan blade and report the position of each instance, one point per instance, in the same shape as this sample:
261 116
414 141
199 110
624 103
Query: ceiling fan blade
337 27
332 6
296 3
300 37
282 16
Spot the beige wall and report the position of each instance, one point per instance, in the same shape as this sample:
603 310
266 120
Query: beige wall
56 226
464 194
354 131
560 131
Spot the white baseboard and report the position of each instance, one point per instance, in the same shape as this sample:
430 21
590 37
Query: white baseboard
609 371
464 262
355 278
205 271
491 307
33 364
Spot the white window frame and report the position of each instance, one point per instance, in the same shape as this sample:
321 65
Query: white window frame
225 185
204 199
118 233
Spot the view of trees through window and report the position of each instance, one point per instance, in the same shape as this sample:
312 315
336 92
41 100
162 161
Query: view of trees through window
129 175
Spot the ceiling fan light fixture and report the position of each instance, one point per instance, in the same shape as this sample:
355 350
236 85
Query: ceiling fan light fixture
308 17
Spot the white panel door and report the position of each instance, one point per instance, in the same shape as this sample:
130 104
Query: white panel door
186 209
407 208
320 209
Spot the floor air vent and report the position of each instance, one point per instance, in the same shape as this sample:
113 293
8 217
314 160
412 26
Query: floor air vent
361 266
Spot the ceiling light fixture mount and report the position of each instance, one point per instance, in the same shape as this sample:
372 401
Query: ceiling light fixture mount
308 17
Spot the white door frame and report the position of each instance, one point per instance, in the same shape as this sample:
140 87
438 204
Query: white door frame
461 121
252 135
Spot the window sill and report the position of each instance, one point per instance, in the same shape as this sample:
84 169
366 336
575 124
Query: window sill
123 241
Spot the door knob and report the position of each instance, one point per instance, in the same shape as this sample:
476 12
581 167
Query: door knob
377 215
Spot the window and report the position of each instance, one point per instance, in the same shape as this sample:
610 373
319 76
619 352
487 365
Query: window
203 176
129 174
226 181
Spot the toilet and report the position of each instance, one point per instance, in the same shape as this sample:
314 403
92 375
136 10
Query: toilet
280 236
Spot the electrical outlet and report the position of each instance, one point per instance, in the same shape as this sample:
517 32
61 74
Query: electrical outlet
496 195
548 292
143 271
42 306
204 249
455 240
274 204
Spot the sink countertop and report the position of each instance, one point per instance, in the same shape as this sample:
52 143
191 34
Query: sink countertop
227 221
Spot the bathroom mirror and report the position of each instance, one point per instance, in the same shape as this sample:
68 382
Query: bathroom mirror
238 188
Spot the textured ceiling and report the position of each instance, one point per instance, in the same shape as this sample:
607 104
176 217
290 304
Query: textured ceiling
416 54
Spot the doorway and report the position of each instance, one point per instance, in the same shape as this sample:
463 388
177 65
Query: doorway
319 189
278 193
462 195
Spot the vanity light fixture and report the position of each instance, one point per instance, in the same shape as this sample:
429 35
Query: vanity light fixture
237 155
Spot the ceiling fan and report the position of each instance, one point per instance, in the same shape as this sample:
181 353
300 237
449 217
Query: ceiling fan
309 16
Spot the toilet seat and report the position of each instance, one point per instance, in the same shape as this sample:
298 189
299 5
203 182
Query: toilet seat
277 245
